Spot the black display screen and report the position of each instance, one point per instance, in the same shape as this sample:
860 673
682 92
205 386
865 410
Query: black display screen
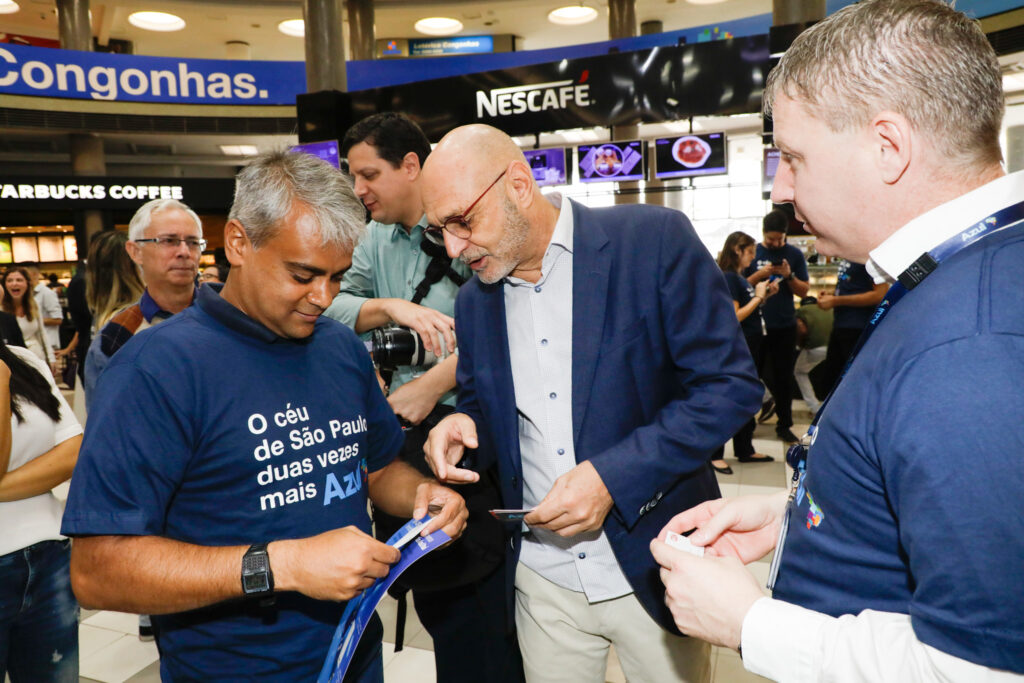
690 155
611 161
548 165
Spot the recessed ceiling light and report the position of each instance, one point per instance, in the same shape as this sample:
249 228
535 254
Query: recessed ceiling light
156 21
704 2
572 15
293 27
8 7
438 26
239 150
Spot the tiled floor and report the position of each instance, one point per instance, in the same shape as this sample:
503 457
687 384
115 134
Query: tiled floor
111 651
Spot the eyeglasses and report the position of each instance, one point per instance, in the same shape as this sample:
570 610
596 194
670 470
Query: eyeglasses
169 242
457 225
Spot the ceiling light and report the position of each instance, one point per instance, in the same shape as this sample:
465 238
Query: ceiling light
239 150
572 15
156 21
438 26
292 27
704 2
8 7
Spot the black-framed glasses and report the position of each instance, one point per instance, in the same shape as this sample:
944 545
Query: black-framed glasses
170 242
457 225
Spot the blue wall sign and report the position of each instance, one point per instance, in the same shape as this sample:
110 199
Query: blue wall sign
460 45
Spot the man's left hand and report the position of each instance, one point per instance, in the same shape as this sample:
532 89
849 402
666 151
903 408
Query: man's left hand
447 509
414 400
783 269
578 502
708 596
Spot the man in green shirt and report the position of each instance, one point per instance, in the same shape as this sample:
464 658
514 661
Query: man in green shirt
813 326
385 152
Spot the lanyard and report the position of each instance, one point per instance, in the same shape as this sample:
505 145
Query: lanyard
797 454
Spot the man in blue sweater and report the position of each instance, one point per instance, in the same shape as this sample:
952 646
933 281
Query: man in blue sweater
900 550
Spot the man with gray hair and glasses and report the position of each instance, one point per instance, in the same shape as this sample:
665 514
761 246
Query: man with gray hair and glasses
223 481
898 551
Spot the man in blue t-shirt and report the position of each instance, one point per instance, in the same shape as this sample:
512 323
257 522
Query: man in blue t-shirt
222 485
854 301
898 556
786 266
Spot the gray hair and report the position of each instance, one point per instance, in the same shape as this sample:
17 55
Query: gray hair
267 187
144 216
920 58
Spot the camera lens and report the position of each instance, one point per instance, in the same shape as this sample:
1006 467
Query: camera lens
394 346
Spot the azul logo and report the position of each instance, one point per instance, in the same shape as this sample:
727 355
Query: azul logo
537 97
973 232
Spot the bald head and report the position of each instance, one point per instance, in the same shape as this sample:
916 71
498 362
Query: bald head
477 178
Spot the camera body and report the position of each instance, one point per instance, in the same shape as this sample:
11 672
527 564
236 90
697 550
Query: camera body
391 347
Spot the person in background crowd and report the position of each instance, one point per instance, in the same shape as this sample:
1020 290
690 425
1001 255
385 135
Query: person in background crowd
38 449
19 301
48 303
738 253
81 316
165 239
899 556
458 592
813 327
600 364
217 273
785 265
10 330
853 303
174 508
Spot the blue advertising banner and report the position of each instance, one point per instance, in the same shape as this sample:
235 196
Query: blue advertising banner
456 45
130 78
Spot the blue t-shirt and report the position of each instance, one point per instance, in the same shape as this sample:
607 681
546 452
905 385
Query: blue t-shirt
911 501
742 292
779 311
853 279
210 429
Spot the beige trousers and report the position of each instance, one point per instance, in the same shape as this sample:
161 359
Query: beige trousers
565 639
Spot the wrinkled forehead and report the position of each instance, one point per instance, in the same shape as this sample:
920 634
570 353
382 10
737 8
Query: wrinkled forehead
172 221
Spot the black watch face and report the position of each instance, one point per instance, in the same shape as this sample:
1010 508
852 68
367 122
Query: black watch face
256 583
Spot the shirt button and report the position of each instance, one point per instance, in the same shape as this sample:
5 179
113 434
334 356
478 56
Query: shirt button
537 288
582 556
552 395
543 342
561 451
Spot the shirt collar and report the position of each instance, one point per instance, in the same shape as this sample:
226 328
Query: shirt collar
213 304
398 230
889 259
151 309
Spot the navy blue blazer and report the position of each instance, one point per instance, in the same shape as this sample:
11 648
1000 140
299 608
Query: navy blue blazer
661 376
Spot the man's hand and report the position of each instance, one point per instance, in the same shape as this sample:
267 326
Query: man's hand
826 301
745 528
782 269
447 508
577 502
335 565
414 400
708 596
762 273
445 446
427 322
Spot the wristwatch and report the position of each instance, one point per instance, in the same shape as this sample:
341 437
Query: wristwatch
257 577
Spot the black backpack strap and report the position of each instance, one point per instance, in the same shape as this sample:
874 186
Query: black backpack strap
440 266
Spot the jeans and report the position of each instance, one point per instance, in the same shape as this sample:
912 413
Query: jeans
806 361
38 615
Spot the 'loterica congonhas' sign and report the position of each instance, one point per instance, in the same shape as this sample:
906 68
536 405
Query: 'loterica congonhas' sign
130 78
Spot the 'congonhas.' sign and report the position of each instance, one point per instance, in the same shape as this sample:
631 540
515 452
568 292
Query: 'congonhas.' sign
130 78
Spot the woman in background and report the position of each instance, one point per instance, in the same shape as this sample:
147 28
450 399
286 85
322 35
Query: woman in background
738 253
112 279
20 302
39 443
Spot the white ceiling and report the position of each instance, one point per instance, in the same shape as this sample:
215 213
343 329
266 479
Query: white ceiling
210 25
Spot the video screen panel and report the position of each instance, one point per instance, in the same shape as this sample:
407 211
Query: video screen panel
327 150
690 155
768 169
548 165
612 161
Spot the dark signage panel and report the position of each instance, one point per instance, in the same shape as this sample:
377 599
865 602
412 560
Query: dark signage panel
646 86
62 193
611 161
690 155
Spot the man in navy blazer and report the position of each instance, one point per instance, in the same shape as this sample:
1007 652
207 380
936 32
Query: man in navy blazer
600 364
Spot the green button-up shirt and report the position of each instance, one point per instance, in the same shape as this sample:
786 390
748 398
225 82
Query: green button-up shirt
388 263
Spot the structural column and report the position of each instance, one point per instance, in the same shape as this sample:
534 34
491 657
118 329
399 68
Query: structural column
621 19
73 25
87 159
360 29
797 11
325 45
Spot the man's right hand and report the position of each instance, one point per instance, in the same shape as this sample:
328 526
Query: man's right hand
445 446
427 322
335 565
746 528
